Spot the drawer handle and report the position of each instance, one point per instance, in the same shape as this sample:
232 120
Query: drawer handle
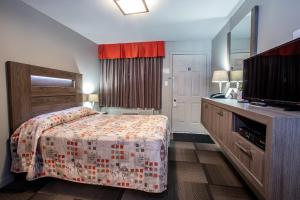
245 151
220 113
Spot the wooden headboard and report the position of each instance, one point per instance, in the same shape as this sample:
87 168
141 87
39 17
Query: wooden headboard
34 90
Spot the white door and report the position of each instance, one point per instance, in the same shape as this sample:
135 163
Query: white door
189 85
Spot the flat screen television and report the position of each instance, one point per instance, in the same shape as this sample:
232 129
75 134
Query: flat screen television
274 76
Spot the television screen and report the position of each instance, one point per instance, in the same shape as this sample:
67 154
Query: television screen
274 76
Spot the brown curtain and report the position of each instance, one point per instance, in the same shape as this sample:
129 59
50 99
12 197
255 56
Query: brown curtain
131 83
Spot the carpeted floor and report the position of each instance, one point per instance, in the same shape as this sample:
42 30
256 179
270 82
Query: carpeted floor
190 137
197 171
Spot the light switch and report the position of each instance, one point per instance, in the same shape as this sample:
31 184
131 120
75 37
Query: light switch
166 83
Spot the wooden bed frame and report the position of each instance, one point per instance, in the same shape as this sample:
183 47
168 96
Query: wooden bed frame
34 90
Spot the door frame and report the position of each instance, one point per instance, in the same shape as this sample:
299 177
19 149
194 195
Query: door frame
207 69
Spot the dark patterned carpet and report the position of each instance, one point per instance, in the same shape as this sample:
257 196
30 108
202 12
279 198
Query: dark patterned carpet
197 171
190 137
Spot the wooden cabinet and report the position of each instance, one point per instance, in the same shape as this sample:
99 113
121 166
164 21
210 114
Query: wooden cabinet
219 122
273 173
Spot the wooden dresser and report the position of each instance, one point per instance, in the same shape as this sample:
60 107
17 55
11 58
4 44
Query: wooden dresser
272 172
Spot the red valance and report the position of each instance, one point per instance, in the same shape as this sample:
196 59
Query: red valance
132 50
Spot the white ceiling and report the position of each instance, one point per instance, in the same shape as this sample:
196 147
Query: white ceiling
171 20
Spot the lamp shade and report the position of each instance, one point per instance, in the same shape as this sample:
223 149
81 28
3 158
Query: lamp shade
236 76
220 76
93 97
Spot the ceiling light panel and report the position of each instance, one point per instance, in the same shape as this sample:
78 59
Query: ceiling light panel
129 7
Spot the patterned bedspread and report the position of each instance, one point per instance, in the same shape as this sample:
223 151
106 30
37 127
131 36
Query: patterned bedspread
129 151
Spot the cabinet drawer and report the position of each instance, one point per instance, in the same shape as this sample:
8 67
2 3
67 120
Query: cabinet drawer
249 155
241 150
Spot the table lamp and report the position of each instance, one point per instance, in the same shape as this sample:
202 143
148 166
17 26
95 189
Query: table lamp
93 98
220 76
236 76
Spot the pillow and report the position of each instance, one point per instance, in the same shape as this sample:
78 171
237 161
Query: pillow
31 130
77 113
49 120
44 121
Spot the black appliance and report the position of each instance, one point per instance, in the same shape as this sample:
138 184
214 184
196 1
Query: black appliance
254 136
273 77
218 96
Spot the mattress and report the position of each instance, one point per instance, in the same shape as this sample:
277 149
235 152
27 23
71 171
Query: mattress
128 151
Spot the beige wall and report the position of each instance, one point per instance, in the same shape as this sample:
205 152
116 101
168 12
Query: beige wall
277 21
28 36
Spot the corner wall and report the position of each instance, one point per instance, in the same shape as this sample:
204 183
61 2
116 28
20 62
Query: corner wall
31 37
277 21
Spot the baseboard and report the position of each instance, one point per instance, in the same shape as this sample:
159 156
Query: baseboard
6 180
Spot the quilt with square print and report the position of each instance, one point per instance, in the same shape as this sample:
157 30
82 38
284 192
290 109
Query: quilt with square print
129 151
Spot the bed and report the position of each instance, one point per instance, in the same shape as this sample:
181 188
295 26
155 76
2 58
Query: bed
54 136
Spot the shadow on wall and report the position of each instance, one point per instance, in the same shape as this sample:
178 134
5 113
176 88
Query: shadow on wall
6 177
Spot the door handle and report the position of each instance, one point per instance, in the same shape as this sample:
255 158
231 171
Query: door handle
244 150
174 100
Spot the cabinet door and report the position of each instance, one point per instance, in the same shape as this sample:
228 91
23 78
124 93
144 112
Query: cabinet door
225 126
218 122
215 122
205 114
209 122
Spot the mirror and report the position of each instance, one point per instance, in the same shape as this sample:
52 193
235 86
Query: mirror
242 40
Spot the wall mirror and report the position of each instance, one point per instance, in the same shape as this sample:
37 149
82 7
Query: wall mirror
242 40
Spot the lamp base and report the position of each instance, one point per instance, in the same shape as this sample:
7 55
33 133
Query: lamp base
220 87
